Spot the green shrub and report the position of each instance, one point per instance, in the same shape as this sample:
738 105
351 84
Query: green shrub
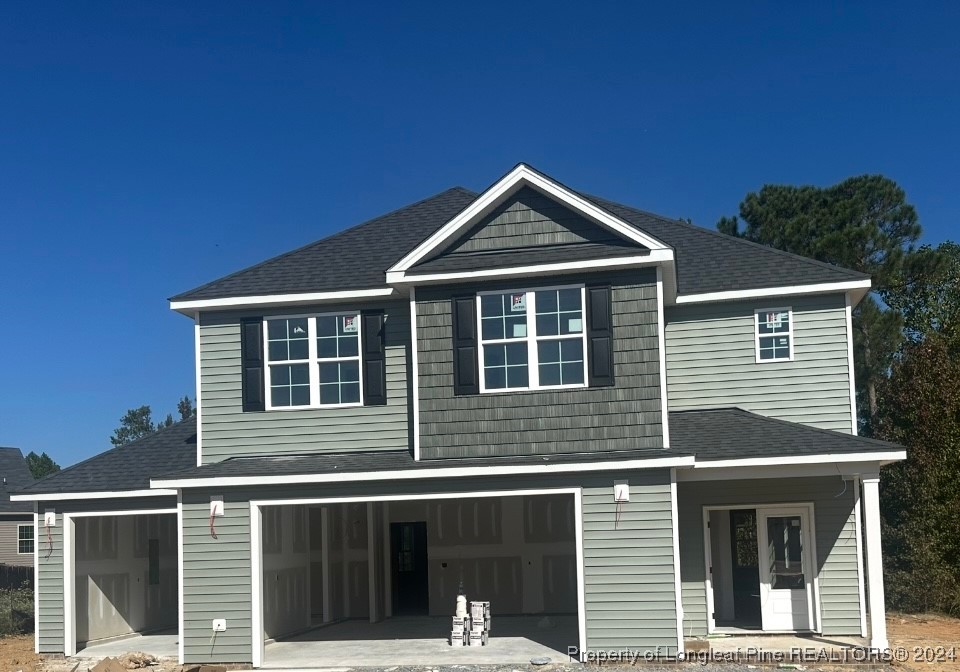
16 610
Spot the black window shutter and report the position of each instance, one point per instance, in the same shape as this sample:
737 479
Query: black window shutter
374 359
466 378
251 357
600 336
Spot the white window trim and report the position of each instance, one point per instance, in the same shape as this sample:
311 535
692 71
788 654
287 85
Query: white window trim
533 361
788 333
33 536
313 361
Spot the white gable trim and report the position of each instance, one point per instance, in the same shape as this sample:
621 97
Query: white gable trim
190 306
783 290
649 259
509 184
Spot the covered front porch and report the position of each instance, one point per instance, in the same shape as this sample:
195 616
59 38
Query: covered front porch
781 557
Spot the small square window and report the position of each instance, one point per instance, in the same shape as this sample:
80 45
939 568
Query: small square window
773 334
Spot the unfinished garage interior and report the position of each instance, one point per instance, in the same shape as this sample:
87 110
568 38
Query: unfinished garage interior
340 579
124 581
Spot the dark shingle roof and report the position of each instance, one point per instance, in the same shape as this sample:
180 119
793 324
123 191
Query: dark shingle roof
387 460
732 433
14 474
710 261
714 434
357 258
128 467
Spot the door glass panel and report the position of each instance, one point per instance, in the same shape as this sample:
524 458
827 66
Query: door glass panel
785 553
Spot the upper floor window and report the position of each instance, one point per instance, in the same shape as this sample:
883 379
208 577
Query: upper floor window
24 539
313 361
532 340
774 334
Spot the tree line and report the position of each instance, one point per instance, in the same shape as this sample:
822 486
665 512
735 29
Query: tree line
906 358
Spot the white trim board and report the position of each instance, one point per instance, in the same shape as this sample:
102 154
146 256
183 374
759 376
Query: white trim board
440 472
256 547
677 587
414 374
662 347
196 348
882 457
522 175
654 257
851 371
190 306
107 494
785 290
180 587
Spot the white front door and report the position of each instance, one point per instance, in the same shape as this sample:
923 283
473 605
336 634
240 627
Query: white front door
786 568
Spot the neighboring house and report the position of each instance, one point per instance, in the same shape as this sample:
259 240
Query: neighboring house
565 404
16 518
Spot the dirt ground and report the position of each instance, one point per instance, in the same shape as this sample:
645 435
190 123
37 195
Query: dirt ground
16 654
919 636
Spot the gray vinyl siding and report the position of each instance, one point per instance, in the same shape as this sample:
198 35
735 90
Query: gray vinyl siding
530 219
711 361
50 559
628 568
9 541
836 541
623 417
226 431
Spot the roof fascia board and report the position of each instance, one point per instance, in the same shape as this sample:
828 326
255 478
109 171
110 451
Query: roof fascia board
883 457
653 258
786 290
412 474
118 494
503 189
190 307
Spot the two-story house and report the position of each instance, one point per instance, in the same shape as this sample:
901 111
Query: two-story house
16 518
562 405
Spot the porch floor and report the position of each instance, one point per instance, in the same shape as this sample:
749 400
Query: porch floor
422 640
160 644
757 647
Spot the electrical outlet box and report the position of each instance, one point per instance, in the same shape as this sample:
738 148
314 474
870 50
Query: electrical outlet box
621 491
216 506
219 625
49 518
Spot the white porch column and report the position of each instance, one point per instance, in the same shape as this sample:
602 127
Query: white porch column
871 507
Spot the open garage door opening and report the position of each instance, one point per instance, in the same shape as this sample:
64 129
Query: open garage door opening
125 584
376 583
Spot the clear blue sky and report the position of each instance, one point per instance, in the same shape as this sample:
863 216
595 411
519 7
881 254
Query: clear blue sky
146 148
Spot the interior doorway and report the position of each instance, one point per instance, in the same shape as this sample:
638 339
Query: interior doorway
408 560
761 568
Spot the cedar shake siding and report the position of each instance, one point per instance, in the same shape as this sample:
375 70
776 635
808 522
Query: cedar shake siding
623 417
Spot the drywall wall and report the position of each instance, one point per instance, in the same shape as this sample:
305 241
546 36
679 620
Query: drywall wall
116 594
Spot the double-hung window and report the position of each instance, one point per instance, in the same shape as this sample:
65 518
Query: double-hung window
533 339
24 539
313 361
773 329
